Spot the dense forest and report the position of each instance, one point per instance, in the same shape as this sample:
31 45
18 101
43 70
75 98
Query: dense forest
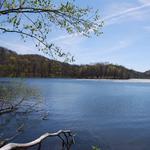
14 65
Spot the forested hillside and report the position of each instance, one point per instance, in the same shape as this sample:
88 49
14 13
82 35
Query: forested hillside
14 65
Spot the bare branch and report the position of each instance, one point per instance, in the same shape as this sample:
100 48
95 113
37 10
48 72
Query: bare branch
67 133
27 10
11 108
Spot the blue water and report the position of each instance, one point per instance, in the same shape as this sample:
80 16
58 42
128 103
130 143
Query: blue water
106 113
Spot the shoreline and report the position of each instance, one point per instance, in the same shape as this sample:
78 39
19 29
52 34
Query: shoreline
133 80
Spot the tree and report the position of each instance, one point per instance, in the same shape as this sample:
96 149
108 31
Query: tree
35 19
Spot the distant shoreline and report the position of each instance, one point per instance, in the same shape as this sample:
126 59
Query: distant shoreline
133 80
14 65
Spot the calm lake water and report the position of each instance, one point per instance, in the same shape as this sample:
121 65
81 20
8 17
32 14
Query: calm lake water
113 115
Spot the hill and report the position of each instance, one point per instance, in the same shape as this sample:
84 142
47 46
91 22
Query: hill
14 65
147 72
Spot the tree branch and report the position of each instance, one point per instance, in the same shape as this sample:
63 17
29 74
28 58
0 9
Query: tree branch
67 133
29 35
38 10
65 15
26 10
10 108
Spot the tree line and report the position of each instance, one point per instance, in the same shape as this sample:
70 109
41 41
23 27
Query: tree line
14 65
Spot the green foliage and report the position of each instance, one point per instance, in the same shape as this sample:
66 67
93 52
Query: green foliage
37 18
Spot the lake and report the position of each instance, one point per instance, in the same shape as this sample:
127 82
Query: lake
110 114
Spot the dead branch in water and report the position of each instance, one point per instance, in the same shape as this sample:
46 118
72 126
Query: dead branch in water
10 107
66 137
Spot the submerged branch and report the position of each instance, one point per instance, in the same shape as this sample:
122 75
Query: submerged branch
18 131
11 108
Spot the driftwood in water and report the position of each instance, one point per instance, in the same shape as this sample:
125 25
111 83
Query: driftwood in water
66 137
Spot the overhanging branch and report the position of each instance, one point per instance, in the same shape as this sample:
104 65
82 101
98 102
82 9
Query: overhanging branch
26 10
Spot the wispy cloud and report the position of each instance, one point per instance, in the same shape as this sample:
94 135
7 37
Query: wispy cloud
119 45
105 53
112 19
126 12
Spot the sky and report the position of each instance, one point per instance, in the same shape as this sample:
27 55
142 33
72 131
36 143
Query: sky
125 39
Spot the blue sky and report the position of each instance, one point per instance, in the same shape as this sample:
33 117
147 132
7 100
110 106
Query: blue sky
125 41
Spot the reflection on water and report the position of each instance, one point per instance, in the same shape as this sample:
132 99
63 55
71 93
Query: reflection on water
20 100
112 115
